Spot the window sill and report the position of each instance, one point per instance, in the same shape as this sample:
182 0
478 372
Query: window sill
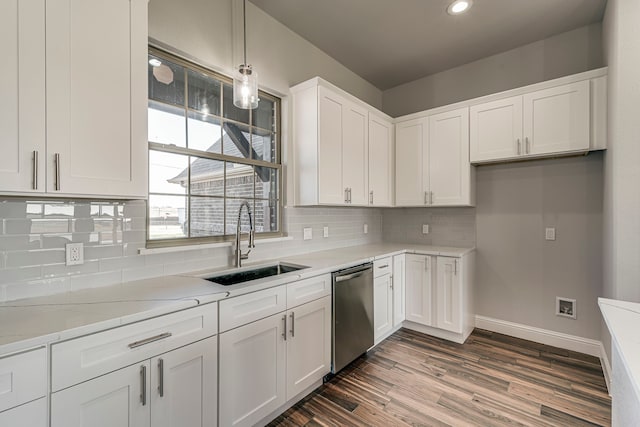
258 242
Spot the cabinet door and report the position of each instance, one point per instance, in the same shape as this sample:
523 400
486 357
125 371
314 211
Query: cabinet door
449 295
355 147
449 168
418 286
557 120
380 161
32 414
412 179
252 371
330 125
382 306
308 345
496 130
184 385
22 95
97 97
398 282
118 399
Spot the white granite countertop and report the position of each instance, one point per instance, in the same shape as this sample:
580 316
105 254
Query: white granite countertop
623 320
38 321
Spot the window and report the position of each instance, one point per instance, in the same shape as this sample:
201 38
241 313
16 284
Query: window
206 156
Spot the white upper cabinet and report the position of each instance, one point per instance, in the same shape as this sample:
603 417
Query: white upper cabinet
496 129
555 120
380 161
96 78
73 97
331 144
412 173
450 172
22 96
432 161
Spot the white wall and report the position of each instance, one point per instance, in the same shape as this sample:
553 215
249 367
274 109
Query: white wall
564 54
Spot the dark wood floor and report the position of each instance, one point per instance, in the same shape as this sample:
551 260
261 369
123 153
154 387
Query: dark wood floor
491 380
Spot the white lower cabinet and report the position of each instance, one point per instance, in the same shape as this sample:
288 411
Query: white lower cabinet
32 414
449 295
265 363
398 283
176 388
419 291
252 371
383 307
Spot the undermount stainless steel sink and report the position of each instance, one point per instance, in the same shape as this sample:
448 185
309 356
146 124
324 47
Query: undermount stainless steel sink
254 274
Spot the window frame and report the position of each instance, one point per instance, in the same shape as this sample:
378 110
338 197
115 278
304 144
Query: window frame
170 148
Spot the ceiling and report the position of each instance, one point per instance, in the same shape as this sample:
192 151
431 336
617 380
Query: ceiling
391 42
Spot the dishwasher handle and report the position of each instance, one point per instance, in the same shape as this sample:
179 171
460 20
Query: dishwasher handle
349 276
352 273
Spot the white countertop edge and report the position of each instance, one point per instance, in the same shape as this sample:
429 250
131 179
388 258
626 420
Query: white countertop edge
625 337
169 249
219 292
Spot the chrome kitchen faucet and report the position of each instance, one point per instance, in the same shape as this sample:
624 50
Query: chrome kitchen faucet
239 256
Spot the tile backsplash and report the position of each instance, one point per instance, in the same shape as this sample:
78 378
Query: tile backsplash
447 226
34 234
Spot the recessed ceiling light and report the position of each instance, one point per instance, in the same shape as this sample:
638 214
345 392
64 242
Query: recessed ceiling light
155 62
459 6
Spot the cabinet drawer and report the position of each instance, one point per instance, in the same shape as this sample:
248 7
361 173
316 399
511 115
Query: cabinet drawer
248 308
87 357
33 414
23 378
307 290
381 267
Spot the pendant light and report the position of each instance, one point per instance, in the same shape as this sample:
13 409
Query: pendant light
245 79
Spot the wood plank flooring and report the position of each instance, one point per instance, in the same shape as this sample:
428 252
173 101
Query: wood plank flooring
491 380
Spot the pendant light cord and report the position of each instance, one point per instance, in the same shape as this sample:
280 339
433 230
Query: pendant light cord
244 28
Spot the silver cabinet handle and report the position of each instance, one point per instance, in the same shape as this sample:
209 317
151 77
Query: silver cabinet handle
284 333
526 145
346 195
455 267
161 377
35 170
149 340
430 197
383 266
349 194
143 385
371 197
57 183
390 282
518 142
293 324
425 197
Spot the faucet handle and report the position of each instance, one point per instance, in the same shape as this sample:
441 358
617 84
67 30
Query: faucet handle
252 237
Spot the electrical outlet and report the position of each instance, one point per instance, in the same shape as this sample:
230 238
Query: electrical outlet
75 253
325 232
366 229
425 228
550 233
307 233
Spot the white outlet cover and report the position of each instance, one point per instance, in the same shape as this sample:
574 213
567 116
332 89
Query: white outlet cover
425 228
366 228
325 232
550 233
74 253
307 233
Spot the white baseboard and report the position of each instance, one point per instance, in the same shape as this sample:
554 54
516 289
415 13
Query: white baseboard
438 333
606 367
542 336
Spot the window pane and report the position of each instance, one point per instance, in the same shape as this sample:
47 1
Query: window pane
204 133
266 183
264 145
232 216
230 110
207 216
168 172
167 217
264 115
236 140
240 180
207 177
266 216
204 93
166 124
166 81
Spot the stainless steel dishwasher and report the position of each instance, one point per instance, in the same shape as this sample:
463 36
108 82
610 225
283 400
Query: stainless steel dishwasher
352 329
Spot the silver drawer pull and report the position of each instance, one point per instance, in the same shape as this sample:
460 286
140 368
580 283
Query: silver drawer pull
143 384
161 377
35 170
383 266
149 340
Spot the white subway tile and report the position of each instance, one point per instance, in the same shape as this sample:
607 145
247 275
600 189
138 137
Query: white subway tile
35 257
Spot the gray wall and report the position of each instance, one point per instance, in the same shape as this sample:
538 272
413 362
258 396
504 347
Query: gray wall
447 226
519 273
560 55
